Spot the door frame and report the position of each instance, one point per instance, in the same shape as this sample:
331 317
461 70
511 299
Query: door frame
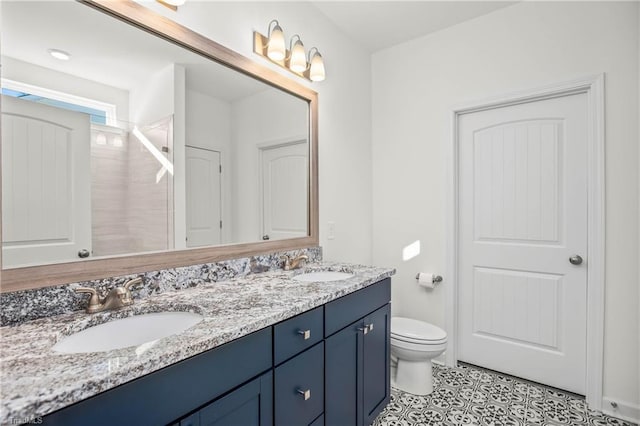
593 87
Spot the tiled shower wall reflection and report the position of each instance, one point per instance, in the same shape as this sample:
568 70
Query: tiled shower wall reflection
131 192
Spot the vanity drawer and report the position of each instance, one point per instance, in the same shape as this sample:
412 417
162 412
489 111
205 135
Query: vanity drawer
343 311
299 388
297 334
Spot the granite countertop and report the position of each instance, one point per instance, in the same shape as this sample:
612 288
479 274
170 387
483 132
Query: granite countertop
35 380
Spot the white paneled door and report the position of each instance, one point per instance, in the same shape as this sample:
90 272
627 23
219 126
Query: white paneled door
46 184
523 240
204 197
284 190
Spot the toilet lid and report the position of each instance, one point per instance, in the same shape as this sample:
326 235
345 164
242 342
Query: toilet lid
409 329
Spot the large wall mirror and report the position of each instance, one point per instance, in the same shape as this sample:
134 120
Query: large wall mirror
130 143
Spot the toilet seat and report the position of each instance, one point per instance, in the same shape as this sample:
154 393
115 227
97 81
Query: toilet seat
417 332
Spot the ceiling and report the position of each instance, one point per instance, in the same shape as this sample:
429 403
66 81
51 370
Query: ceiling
29 28
108 51
376 25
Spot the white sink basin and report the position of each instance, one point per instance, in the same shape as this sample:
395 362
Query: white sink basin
322 276
126 332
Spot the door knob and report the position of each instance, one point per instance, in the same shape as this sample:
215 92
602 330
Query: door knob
575 260
83 253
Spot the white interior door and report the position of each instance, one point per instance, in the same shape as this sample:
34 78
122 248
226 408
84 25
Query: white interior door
284 191
203 197
46 183
522 216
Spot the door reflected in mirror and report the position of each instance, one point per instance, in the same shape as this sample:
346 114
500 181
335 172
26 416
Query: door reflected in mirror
137 145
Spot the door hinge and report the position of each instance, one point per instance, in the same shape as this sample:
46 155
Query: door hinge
220 224
220 168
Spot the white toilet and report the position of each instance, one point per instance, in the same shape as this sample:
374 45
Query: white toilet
413 345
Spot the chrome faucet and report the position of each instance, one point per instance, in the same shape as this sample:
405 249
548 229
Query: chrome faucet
292 263
115 299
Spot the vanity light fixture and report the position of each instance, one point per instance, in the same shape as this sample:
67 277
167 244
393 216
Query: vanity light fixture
316 67
293 59
276 49
297 58
60 54
172 4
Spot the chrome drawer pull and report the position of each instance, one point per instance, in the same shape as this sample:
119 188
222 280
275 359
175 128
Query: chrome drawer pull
366 329
305 393
306 334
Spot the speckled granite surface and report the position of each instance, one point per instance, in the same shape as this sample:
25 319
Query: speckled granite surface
28 305
36 380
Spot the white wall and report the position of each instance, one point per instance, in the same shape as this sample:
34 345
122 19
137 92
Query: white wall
208 126
638 23
25 72
523 46
155 99
268 117
344 106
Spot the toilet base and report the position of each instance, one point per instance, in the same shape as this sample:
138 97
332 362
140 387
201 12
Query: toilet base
414 377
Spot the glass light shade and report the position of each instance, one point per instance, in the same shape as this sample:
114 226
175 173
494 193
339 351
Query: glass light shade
298 61
276 49
316 72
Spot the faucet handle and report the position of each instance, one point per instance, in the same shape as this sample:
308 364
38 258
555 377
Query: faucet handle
124 292
94 300
131 283
286 264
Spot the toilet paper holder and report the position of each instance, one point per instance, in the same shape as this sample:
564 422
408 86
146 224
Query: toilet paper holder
436 278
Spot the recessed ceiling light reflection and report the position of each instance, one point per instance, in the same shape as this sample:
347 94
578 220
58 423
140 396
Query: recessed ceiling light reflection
60 54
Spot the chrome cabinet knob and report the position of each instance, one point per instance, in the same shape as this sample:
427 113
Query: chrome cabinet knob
575 260
306 334
265 237
306 394
366 329
83 253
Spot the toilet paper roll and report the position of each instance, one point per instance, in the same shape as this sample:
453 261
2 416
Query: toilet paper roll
425 279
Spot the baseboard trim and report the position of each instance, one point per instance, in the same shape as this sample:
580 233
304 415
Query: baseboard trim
624 410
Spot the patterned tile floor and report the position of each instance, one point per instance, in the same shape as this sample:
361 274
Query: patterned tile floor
469 395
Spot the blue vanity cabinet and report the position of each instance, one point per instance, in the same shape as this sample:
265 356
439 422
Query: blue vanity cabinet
292 336
299 388
326 366
376 359
343 389
169 394
357 384
251 404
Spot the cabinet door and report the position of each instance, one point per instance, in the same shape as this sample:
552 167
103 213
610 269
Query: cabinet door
247 406
375 366
343 387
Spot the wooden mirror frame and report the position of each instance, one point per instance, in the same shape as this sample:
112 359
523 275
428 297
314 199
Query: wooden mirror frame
31 277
